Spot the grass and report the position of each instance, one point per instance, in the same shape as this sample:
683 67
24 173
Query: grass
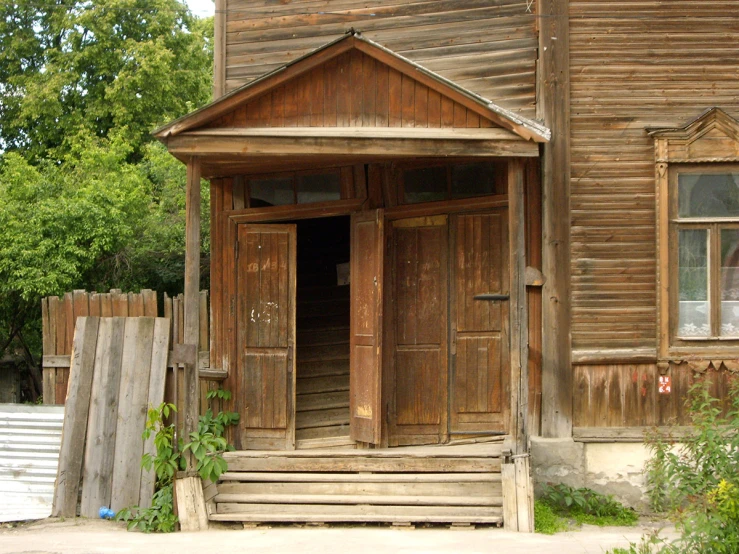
561 507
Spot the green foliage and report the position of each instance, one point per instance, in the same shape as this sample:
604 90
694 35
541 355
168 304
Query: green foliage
158 518
87 199
587 506
95 66
206 445
546 521
698 482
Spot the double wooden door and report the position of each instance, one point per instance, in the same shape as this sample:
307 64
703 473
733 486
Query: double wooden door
447 357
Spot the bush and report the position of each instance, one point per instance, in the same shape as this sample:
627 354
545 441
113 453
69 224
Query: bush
587 506
698 484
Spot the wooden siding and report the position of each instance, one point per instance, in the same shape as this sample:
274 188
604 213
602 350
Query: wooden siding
488 46
352 89
627 395
633 64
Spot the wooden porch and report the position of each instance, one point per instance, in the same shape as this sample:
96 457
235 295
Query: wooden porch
416 484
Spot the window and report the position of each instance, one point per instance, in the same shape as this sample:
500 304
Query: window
294 188
451 182
705 238
697 194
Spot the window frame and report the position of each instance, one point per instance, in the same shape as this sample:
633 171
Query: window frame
713 227
344 174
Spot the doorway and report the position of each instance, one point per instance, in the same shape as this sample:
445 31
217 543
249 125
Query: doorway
448 351
322 325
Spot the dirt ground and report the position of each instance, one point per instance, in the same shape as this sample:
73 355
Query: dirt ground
107 537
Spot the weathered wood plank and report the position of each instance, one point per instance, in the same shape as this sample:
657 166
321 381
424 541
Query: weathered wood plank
103 418
75 418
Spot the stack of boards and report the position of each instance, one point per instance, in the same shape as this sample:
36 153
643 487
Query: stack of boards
118 370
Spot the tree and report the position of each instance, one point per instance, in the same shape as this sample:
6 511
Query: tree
97 65
87 199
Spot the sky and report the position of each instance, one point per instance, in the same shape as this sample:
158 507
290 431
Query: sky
202 8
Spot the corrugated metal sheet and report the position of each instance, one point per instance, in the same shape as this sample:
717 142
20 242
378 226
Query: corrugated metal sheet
30 437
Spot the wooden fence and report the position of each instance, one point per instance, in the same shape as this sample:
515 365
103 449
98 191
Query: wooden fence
58 319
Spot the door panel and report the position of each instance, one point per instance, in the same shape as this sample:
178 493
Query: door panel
265 342
479 386
419 361
366 270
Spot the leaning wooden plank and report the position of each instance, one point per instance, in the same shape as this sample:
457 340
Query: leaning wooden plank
508 476
524 495
191 504
157 378
102 419
75 417
132 405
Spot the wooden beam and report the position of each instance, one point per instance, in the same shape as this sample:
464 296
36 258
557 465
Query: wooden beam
219 49
192 295
554 108
211 144
519 350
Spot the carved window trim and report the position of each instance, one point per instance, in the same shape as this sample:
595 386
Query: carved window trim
709 142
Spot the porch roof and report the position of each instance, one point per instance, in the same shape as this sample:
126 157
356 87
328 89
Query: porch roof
501 124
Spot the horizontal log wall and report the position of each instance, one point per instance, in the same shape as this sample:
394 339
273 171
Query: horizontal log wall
634 63
488 46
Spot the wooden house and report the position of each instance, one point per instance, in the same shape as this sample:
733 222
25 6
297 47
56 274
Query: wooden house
436 223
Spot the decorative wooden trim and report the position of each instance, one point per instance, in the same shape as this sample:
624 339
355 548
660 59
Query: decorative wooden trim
553 92
711 137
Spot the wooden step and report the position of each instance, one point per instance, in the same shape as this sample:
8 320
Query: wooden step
322 401
351 513
384 500
341 440
322 418
464 489
308 477
318 337
329 306
312 385
322 353
322 368
359 463
327 433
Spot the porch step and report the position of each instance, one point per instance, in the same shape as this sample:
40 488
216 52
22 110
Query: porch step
449 484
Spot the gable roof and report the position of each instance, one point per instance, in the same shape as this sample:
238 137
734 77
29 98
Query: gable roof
524 128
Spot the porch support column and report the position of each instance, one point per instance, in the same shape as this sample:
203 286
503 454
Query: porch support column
519 353
192 298
553 107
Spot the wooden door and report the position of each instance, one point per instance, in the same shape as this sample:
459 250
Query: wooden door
418 365
479 395
265 335
366 269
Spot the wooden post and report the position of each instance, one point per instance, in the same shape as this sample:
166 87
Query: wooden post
519 351
219 49
553 106
192 296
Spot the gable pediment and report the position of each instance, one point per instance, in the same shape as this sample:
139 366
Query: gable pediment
711 137
353 82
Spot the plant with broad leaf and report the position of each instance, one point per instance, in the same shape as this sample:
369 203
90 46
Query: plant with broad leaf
207 446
